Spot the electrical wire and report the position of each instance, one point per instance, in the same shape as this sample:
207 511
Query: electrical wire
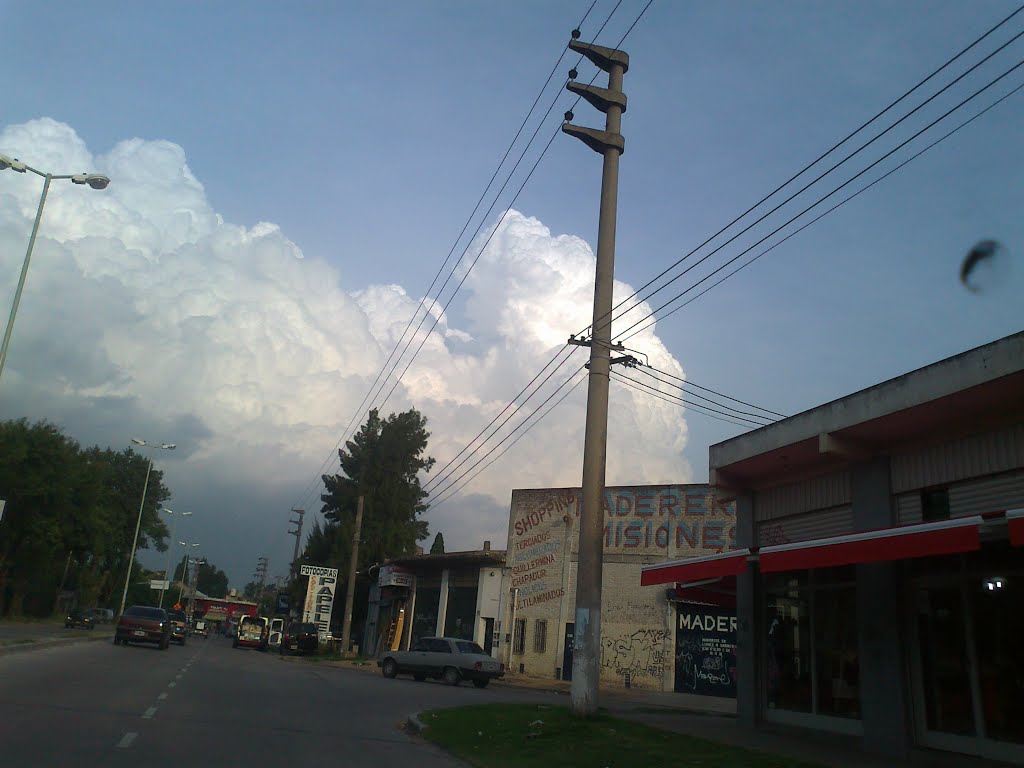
814 162
623 334
710 401
312 488
841 203
692 383
510 445
650 391
690 403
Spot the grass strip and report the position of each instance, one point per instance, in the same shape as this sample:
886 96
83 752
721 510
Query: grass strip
518 735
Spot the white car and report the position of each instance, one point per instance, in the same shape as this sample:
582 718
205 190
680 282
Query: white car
444 658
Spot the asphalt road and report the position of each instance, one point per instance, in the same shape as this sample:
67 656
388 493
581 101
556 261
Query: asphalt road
93 704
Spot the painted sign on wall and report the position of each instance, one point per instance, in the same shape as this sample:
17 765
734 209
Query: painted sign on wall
706 650
319 603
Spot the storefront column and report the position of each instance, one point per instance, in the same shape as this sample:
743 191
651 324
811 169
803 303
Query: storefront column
880 621
748 635
442 604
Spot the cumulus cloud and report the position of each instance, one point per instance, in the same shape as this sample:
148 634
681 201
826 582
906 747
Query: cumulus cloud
146 313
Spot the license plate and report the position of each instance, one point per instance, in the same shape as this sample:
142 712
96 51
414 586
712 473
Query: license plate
139 633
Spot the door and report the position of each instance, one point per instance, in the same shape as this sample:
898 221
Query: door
570 638
488 636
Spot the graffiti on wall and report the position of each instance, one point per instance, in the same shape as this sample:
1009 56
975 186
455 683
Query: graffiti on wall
640 653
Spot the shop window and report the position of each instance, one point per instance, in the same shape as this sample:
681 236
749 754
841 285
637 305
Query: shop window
811 648
519 637
935 504
540 635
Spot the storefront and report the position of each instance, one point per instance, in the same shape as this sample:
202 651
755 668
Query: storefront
880 563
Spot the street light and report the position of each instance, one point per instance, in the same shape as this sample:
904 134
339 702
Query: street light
142 505
170 549
184 572
93 180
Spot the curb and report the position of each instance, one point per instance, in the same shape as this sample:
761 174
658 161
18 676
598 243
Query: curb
38 645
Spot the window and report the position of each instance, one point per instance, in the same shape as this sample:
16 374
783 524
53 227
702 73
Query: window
519 637
437 645
540 635
935 504
421 645
468 646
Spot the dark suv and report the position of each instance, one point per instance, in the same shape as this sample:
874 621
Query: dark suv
179 624
299 637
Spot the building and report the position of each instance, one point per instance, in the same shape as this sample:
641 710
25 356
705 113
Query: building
454 594
880 570
640 626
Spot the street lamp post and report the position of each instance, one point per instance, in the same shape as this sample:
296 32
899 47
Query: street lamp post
170 550
184 572
138 522
93 180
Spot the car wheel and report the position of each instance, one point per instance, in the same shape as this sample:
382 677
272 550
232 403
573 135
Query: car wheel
481 682
419 678
389 668
451 676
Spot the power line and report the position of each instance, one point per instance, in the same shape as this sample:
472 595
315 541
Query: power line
692 404
646 390
817 160
519 437
622 334
711 401
311 489
692 383
841 203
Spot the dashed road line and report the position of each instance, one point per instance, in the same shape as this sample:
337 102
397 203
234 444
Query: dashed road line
171 684
162 696
148 714
126 740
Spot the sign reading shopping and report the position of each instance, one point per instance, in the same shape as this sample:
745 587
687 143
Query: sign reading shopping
319 603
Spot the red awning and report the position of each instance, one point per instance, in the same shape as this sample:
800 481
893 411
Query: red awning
901 543
695 568
720 592
1015 522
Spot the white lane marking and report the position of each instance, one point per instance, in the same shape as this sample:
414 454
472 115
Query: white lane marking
126 740
171 684
177 677
162 696
148 714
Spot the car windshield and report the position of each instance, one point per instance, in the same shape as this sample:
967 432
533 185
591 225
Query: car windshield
145 612
177 615
467 646
311 628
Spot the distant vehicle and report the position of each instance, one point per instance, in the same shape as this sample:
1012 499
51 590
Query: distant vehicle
179 626
100 615
143 624
199 629
79 619
443 658
301 637
276 632
252 633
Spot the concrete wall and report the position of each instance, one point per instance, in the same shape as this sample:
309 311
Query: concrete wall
644 524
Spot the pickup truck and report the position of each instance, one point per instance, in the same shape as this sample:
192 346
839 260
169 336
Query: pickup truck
445 658
143 624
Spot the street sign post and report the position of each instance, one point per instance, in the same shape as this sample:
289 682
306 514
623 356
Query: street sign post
158 584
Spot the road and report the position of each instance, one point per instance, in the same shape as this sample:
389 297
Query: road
93 704
17 631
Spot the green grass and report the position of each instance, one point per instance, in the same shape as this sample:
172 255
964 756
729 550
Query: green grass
517 735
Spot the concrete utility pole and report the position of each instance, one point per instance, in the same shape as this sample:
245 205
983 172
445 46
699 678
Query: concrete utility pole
297 533
261 579
586 658
350 589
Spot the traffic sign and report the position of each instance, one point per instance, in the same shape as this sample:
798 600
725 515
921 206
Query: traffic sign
177 606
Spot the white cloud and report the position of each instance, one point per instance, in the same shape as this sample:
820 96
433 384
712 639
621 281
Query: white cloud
146 313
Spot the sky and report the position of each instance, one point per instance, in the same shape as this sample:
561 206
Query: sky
287 179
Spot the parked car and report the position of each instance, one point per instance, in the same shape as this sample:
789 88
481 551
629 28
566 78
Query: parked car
100 615
301 637
445 658
79 619
143 624
199 629
179 626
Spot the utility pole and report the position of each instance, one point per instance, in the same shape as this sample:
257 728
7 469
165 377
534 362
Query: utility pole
350 589
297 533
586 656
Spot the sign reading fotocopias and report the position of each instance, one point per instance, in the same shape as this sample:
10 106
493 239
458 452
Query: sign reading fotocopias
319 603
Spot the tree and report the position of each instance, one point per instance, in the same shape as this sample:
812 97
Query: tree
210 580
437 548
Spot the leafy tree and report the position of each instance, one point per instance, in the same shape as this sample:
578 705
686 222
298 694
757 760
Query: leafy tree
69 519
210 580
437 548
